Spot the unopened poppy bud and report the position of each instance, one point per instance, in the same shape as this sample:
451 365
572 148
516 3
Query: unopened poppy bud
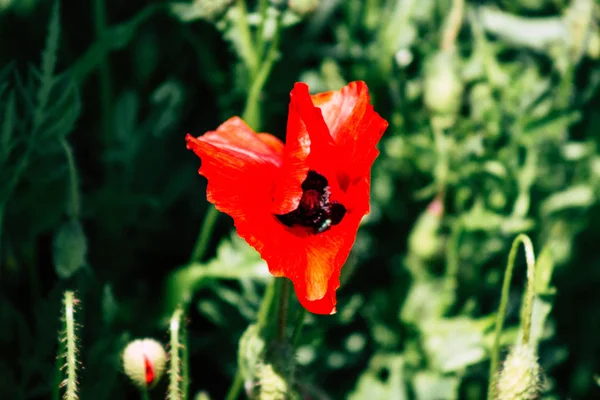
273 385
144 362
250 356
443 85
520 375
303 7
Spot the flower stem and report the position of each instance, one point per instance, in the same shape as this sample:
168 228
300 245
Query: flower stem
210 218
248 55
512 255
266 306
144 394
453 24
175 364
105 81
74 205
236 386
185 364
71 355
253 104
284 296
298 328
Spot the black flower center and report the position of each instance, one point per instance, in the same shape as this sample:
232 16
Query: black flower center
315 210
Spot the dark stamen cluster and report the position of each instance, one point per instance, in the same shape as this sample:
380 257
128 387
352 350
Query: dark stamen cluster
315 210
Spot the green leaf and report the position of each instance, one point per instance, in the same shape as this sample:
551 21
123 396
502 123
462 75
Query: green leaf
384 379
429 385
70 249
235 260
543 270
453 344
579 196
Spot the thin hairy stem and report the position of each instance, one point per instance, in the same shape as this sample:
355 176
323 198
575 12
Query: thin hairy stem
174 392
530 259
71 344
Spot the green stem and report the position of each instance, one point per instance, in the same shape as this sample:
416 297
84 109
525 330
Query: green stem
453 24
58 367
175 364
249 53
185 364
298 328
253 104
74 206
71 355
104 74
268 301
236 386
530 258
205 233
263 6
144 394
284 296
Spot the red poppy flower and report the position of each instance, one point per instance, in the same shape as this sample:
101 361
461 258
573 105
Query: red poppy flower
298 205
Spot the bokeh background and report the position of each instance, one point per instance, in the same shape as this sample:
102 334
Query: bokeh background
494 119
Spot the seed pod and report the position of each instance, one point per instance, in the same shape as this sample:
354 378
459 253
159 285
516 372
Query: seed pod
443 85
425 240
520 375
144 362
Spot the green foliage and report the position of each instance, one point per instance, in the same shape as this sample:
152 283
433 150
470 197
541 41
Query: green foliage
493 112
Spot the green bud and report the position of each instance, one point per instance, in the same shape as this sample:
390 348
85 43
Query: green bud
443 85
251 353
69 248
425 240
520 375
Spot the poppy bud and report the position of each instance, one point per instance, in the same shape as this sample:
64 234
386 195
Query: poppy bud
443 85
144 362
303 7
520 375
425 241
250 355
272 385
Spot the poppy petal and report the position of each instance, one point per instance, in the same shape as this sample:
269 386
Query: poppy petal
240 167
352 122
306 133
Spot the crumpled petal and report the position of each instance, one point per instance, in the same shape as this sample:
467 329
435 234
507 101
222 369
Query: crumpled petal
353 124
306 130
240 167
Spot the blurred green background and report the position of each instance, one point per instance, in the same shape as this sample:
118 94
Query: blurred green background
494 115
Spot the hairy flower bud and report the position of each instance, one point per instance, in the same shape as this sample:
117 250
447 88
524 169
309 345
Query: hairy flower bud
273 386
443 85
144 362
520 375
